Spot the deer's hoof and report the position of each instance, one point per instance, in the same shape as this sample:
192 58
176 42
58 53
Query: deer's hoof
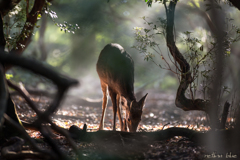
100 128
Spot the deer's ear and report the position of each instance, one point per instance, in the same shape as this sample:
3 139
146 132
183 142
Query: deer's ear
142 101
130 107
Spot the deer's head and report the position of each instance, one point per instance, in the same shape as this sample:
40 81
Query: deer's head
134 113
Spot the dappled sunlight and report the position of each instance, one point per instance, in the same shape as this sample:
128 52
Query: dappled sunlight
158 114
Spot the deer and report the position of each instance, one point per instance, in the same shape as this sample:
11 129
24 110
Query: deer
115 68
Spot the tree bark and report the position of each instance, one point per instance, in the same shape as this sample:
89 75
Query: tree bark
26 34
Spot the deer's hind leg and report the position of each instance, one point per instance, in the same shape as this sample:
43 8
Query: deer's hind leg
119 112
104 87
113 96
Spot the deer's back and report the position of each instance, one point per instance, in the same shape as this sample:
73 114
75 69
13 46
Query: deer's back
115 67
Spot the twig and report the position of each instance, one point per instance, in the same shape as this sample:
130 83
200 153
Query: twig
165 125
27 98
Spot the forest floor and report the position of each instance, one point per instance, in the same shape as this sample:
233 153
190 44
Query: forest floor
158 114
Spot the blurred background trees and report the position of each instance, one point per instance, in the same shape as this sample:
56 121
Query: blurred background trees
102 22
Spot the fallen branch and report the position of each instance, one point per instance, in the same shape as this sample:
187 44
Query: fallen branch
83 135
143 138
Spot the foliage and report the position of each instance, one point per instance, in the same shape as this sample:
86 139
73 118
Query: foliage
199 54
9 76
13 23
15 20
66 27
146 39
149 2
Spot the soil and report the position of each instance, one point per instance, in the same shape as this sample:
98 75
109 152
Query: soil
159 113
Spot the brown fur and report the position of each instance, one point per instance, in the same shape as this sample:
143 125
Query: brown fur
115 68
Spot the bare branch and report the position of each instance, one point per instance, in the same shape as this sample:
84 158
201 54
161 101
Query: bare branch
39 68
45 117
26 136
27 98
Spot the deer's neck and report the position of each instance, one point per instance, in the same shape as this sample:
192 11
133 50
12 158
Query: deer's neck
128 92
130 97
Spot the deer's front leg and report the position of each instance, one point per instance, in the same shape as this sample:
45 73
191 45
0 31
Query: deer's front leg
113 96
104 105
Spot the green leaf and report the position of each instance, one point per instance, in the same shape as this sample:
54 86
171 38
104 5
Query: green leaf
39 16
9 76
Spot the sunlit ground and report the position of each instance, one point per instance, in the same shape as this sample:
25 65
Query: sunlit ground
158 114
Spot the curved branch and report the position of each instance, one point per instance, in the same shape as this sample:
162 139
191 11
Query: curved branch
186 79
38 68
25 96
44 117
